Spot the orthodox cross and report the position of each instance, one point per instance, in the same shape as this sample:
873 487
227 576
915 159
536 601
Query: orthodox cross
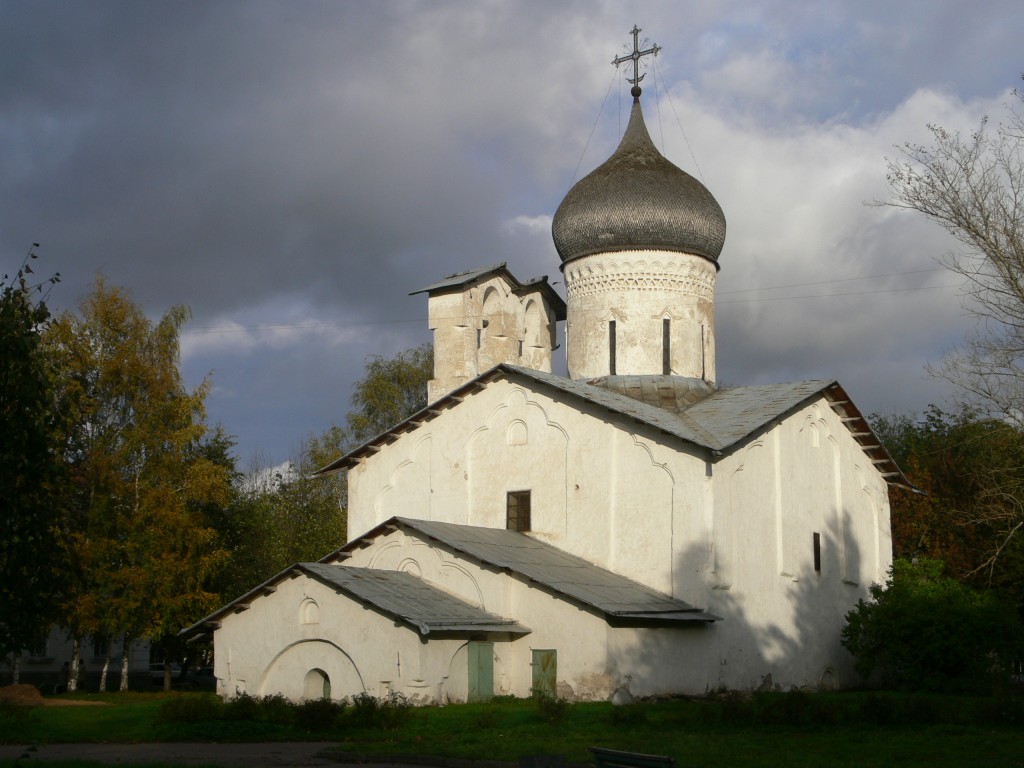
635 56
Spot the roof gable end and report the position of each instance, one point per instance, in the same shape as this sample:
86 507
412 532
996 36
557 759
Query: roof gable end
719 422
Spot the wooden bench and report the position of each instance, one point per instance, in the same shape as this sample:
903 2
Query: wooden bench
613 758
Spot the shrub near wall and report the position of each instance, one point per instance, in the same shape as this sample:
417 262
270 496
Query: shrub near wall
924 631
315 714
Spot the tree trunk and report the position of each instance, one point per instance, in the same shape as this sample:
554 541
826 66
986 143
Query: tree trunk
124 662
76 653
167 675
16 670
106 667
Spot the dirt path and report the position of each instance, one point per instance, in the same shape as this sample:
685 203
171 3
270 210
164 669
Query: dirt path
269 755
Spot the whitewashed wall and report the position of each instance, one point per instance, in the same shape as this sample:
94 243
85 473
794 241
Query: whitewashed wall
579 467
582 639
734 536
272 647
485 324
639 290
805 476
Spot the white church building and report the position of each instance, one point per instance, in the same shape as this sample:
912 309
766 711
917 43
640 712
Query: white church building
630 526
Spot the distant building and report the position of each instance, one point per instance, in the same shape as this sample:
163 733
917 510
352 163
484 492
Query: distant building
44 665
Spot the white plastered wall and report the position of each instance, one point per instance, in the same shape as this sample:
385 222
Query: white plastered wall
733 536
580 637
272 647
639 290
805 475
485 324
613 496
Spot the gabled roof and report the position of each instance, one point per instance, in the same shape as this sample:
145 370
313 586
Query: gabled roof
716 420
458 280
402 596
566 575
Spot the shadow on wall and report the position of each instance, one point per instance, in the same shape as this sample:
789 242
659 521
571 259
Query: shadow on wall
777 632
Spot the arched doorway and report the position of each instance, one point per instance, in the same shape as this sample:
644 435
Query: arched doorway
302 669
317 685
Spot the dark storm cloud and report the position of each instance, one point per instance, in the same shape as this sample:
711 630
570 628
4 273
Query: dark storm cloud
216 156
304 165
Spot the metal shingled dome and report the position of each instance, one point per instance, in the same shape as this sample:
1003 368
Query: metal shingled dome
638 200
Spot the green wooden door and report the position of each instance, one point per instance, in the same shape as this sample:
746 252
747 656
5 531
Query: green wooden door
545 673
481 671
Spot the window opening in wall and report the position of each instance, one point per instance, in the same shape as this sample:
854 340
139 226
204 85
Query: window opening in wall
611 347
478 336
100 645
517 511
666 346
703 359
520 347
316 685
817 553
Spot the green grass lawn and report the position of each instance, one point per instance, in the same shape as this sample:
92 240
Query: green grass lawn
819 731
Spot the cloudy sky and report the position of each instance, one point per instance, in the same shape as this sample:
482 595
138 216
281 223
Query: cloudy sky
292 170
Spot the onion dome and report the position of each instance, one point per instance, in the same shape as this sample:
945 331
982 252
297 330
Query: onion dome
638 200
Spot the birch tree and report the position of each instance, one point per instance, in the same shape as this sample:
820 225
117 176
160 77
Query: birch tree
146 551
391 390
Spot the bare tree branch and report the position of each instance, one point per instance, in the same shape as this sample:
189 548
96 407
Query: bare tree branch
972 185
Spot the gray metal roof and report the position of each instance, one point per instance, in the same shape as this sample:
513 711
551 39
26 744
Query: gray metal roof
733 413
547 566
670 393
400 595
540 284
410 599
717 422
637 199
459 279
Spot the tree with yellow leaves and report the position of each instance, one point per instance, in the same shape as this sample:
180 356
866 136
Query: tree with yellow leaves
141 482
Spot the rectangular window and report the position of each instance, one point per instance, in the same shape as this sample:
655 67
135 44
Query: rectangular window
666 346
703 355
817 553
100 645
611 347
517 511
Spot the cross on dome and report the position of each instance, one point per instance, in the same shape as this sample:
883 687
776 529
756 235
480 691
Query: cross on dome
635 58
